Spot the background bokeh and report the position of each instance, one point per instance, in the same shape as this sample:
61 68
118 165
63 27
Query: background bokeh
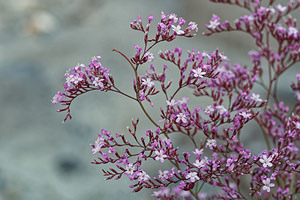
43 159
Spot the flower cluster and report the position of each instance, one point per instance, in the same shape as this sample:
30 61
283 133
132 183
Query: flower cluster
219 156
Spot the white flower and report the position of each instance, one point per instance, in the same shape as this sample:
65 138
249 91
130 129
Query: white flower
297 125
193 26
281 8
129 169
213 24
211 143
199 164
198 152
181 117
148 82
163 175
177 29
143 176
171 103
98 82
192 176
292 31
245 115
184 100
209 109
267 184
256 97
198 73
223 57
98 144
266 161
222 109
149 56
160 155
174 17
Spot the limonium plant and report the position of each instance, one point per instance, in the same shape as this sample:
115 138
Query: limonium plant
219 157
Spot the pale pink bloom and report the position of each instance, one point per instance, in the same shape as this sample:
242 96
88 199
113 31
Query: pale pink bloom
130 168
98 82
256 97
209 109
245 115
148 82
199 164
211 143
198 73
184 100
177 29
143 176
292 31
192 176
171 103
266 161
181 117
222 109
281 8
198 152
160 155
163 175
193 26
267 184
174 17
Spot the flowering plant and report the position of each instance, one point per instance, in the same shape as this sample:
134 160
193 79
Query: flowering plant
219 157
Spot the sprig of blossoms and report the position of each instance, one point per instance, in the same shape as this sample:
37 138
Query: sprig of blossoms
219 156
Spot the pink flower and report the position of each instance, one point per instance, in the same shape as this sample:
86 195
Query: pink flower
160 155
148 82
267 184
177 29
211 143
181 117
198 73
143 176
266 161
214 22
98 82
192 176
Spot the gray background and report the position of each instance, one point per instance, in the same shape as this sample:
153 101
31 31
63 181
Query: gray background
41 158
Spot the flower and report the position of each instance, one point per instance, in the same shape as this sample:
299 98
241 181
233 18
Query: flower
292 31
211 143
184 100
255 97
148 82
98 82
181 117
163 175
171 103
198 152
177 29
214 22
160 155
192 176
57 97
245 115
281 8
129 169
266 161
193 26
198 73
199 164
149 56
222 109
267 184
143 176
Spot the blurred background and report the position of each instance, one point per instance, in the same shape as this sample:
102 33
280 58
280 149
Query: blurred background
43 159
